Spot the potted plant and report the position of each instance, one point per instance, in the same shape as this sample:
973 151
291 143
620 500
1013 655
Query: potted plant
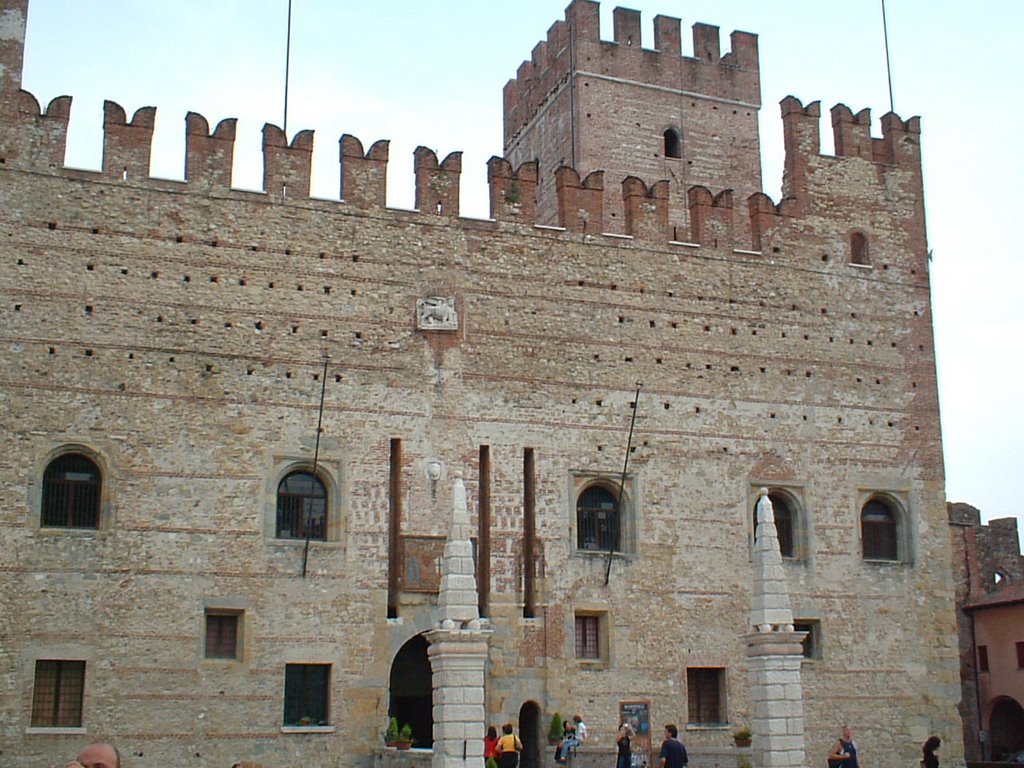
742 736
405 739
555 731
391 734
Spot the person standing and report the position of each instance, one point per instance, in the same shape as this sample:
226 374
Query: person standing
673 752
491 743
509 747
581 728
844 751
930 759
623 741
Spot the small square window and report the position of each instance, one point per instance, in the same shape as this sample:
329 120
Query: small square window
306 694
983 658
812 641
222 634
588 637
57 694
705 688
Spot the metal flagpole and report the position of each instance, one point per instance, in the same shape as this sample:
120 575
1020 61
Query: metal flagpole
287 66
888 65
316 459
622 485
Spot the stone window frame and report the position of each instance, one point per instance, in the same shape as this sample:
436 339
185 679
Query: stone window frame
800 523
582 480
329 472
79 705
102 462
328 703
225 606
898 505
599 611
722 697
812 644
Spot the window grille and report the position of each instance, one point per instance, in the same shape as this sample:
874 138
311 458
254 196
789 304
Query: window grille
588 634
878 530
301 505
222 635
598 520
57 694
306 688
71 493
783 524
705 697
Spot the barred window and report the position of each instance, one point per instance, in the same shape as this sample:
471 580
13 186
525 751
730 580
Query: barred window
706 695
222 635
588 637
57 694
71 493
598 520
784 523
306 694
301 507
878 522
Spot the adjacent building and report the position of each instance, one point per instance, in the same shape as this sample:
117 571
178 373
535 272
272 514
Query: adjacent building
990 599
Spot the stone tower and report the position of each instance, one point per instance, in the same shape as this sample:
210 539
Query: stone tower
620 108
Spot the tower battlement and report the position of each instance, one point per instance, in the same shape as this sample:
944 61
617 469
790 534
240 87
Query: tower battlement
576 43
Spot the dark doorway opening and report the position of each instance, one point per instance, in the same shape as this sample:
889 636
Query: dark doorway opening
410 689
530 734
1006 725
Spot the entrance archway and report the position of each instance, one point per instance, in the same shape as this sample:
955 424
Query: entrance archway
1006 728
410 689
530 734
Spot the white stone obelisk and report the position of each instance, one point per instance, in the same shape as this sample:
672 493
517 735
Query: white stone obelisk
774 654
458 649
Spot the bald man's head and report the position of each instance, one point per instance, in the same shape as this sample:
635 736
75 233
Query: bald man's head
99 755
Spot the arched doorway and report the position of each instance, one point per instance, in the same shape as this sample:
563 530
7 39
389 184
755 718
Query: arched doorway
410 689
1006 728
531 735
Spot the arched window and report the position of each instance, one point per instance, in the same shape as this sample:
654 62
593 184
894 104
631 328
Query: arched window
879 530
598 525
301 507
71 493
673 144
784 523
859 249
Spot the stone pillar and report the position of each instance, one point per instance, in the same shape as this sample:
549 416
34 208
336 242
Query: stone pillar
777 716
458 659
774 654
458 650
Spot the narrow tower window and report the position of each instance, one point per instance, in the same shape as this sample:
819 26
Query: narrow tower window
859 249
673 144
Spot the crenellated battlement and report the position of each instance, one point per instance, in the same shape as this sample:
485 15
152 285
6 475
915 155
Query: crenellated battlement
899 145
642 204
576 43
36 141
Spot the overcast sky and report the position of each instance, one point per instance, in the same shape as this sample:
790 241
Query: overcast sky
431 73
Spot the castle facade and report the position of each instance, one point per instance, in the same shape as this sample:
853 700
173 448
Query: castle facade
232 422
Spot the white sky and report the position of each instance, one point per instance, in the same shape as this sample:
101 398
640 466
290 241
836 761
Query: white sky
431 73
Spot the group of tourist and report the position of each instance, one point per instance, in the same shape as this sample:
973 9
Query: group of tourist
844 751
506 748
